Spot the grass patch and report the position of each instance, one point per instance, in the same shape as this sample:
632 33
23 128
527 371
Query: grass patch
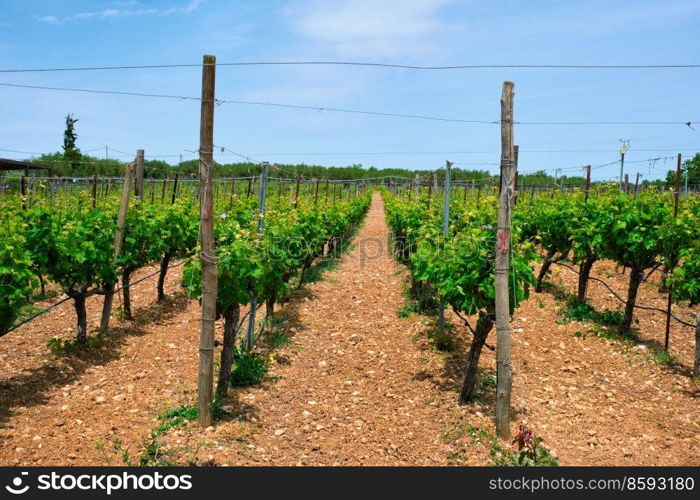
579 311
610 318
663 358
276 331
407 309
60 347
249 367
442 338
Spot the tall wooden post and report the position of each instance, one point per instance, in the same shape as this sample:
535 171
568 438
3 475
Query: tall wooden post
94 190
172 200
162 193
503 357
627 184
296 191
118 242
636 186
588 181
206 230
233 190
23 191
250 187
430 186
672 258
138 185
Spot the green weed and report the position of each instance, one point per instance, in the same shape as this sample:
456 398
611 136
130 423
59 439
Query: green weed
59 347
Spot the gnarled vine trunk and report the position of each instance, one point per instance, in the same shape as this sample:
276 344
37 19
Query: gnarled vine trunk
636 277
126 276
483 326
584 274
270 304
81 315
163 271
543 271
663 288
231 316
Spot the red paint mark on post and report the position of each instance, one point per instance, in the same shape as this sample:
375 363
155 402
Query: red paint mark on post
503 239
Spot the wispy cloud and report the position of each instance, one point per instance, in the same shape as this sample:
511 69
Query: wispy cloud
376 27
116 13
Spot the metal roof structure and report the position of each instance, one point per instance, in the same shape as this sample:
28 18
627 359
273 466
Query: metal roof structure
26 165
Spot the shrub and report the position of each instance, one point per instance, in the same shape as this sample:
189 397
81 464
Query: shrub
249 368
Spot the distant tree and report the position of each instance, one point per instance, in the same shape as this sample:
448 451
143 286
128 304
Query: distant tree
70 137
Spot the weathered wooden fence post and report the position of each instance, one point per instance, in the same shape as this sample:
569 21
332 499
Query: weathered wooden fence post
138 185
206 236
118 242
172 201
296 192
503 355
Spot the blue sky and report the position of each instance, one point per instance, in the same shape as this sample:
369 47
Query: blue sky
55 33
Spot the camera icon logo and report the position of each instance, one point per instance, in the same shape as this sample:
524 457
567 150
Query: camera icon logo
17 483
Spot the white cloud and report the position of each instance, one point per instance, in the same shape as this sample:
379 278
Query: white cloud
370 27
116 13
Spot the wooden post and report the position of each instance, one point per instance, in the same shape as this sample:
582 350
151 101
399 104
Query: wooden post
316 195
430 186
588 181
696 365
94 190
672 258
138 185
296 192
250 187
23 191
503 357
636 186
233 190
627 184
172 200
162 194
118 242
206 230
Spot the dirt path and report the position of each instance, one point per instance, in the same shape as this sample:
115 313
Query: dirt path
357 389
